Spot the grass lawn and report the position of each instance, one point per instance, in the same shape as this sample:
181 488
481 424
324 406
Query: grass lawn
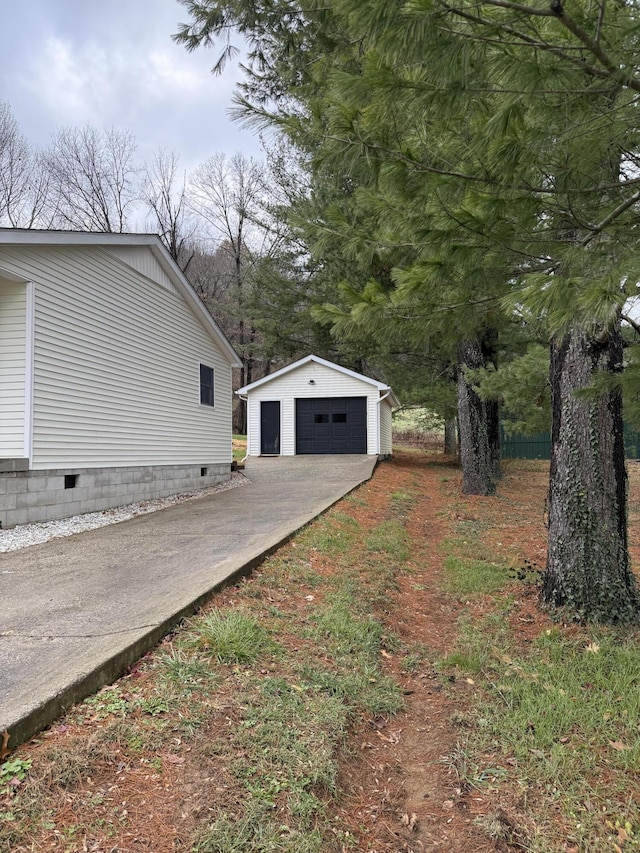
239 445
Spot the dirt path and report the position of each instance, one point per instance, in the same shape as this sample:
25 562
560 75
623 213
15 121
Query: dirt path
403 789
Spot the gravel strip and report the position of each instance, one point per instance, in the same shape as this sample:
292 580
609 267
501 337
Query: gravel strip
35 534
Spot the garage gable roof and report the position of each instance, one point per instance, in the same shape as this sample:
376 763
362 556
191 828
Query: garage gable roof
35 237
323 361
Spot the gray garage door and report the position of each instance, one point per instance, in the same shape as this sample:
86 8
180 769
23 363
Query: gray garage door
331 425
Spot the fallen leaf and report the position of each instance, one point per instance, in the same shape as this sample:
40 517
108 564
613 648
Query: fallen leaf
501 656
386 654
394 738
448 804
174 759
410 820
594 648
617 744
469 680
622 835
4 749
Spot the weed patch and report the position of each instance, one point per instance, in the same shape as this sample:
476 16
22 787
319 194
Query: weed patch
473 577
552 720
401 503
229 637
332 535
179 673
256 831
390 538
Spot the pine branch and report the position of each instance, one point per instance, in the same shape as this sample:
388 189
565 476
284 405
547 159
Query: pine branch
520 7
596 49
600 20
558 11
597 229
531 42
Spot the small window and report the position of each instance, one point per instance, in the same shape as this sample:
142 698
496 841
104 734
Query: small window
203 472
206 385
70 481
339 418
321 419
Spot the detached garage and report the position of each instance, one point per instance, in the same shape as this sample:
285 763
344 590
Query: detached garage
314 406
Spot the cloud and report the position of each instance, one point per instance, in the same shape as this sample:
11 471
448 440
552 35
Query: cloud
163 78
71 88
86 83
115 65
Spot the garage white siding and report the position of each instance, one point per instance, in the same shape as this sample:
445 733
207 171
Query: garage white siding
116 365
309 380
13 358
385 427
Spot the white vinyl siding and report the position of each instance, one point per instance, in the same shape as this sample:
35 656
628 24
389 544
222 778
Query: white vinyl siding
13 365
116 366
296 384
141 259
385 427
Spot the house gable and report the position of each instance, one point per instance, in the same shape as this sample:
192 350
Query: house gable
320 362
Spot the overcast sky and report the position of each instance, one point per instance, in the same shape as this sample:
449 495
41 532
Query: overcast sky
113 63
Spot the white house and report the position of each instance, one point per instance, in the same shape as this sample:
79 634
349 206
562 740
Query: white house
115 382
316 406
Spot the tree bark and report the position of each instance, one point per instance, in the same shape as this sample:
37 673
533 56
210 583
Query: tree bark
450 437
588 573
479 427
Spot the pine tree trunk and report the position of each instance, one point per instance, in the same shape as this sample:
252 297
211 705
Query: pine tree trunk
588 570
450 437
478 426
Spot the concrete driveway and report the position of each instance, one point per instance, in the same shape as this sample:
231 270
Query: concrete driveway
76 612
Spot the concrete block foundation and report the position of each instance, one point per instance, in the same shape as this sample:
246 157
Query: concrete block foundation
32 496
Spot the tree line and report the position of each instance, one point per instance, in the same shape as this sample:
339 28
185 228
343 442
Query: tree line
471 175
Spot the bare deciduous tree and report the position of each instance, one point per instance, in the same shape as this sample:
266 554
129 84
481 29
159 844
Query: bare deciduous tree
93 177
25 200
227 193
164 193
